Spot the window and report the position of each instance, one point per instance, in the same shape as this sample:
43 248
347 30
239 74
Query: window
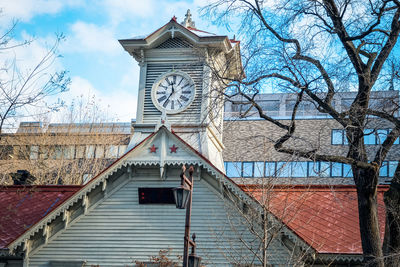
6 152
112 152
247 169
336 169
347 171
56 152
162 195
388 168
270 169
325 169
396 142
383 171
233 169
80 152
21 152
299 169
44 152
69 152
34 153
313 169
369 137
392 168
259 169
90 151
338 137
283 169
99 152
295 169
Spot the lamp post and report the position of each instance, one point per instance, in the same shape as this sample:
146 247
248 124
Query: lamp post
183 199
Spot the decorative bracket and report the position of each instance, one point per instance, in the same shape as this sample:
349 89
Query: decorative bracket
85 203
46 233
66 218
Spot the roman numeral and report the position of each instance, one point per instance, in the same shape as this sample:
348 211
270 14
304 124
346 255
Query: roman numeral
186 85
180 81
179 102
161 92
184 98
162 98
174 79
186 92
163 86
166 103
172 104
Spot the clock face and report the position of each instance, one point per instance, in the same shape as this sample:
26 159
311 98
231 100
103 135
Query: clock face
173 92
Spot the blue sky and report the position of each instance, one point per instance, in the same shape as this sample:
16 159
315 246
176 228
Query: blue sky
97 64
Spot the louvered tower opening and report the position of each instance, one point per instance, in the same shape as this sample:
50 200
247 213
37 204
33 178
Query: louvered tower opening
192 114
175 43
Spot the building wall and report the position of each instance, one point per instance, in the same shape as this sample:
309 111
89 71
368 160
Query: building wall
253 140
119 230
69 156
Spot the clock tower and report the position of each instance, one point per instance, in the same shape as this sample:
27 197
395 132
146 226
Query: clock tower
177 84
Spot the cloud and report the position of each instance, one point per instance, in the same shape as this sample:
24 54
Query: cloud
25 10
87 37
120 10
118 105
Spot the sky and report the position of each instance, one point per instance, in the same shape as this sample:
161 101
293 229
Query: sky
98 66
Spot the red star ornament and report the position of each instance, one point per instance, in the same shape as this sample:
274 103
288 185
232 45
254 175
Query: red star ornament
153 149
173 148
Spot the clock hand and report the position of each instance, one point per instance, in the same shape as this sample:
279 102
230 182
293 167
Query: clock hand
172 92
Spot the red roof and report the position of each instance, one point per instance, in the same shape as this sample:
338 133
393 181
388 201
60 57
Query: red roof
23 206
325 217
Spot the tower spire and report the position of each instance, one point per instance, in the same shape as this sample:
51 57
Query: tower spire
188 22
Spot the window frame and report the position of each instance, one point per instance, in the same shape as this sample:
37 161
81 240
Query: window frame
341 131
238 171
252 169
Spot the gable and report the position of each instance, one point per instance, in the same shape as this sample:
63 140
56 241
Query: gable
118 230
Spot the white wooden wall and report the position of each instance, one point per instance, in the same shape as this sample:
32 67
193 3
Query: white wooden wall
119 231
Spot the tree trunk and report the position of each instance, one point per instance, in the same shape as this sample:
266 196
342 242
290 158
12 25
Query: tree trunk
391 244
366 181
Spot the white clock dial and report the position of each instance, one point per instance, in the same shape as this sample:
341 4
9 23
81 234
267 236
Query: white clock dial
173 92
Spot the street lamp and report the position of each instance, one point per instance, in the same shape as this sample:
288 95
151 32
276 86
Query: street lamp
183 199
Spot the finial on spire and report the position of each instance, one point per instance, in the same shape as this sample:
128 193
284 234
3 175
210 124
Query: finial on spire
188 22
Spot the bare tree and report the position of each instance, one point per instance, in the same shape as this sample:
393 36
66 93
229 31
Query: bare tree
255 236
24 89
317 49
70 152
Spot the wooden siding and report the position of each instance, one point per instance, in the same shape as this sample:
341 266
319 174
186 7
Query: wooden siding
195 70
119 231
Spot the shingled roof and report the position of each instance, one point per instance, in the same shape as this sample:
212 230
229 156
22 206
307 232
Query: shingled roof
23 206
325 217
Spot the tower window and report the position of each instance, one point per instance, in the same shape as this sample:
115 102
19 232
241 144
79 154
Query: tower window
156 195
